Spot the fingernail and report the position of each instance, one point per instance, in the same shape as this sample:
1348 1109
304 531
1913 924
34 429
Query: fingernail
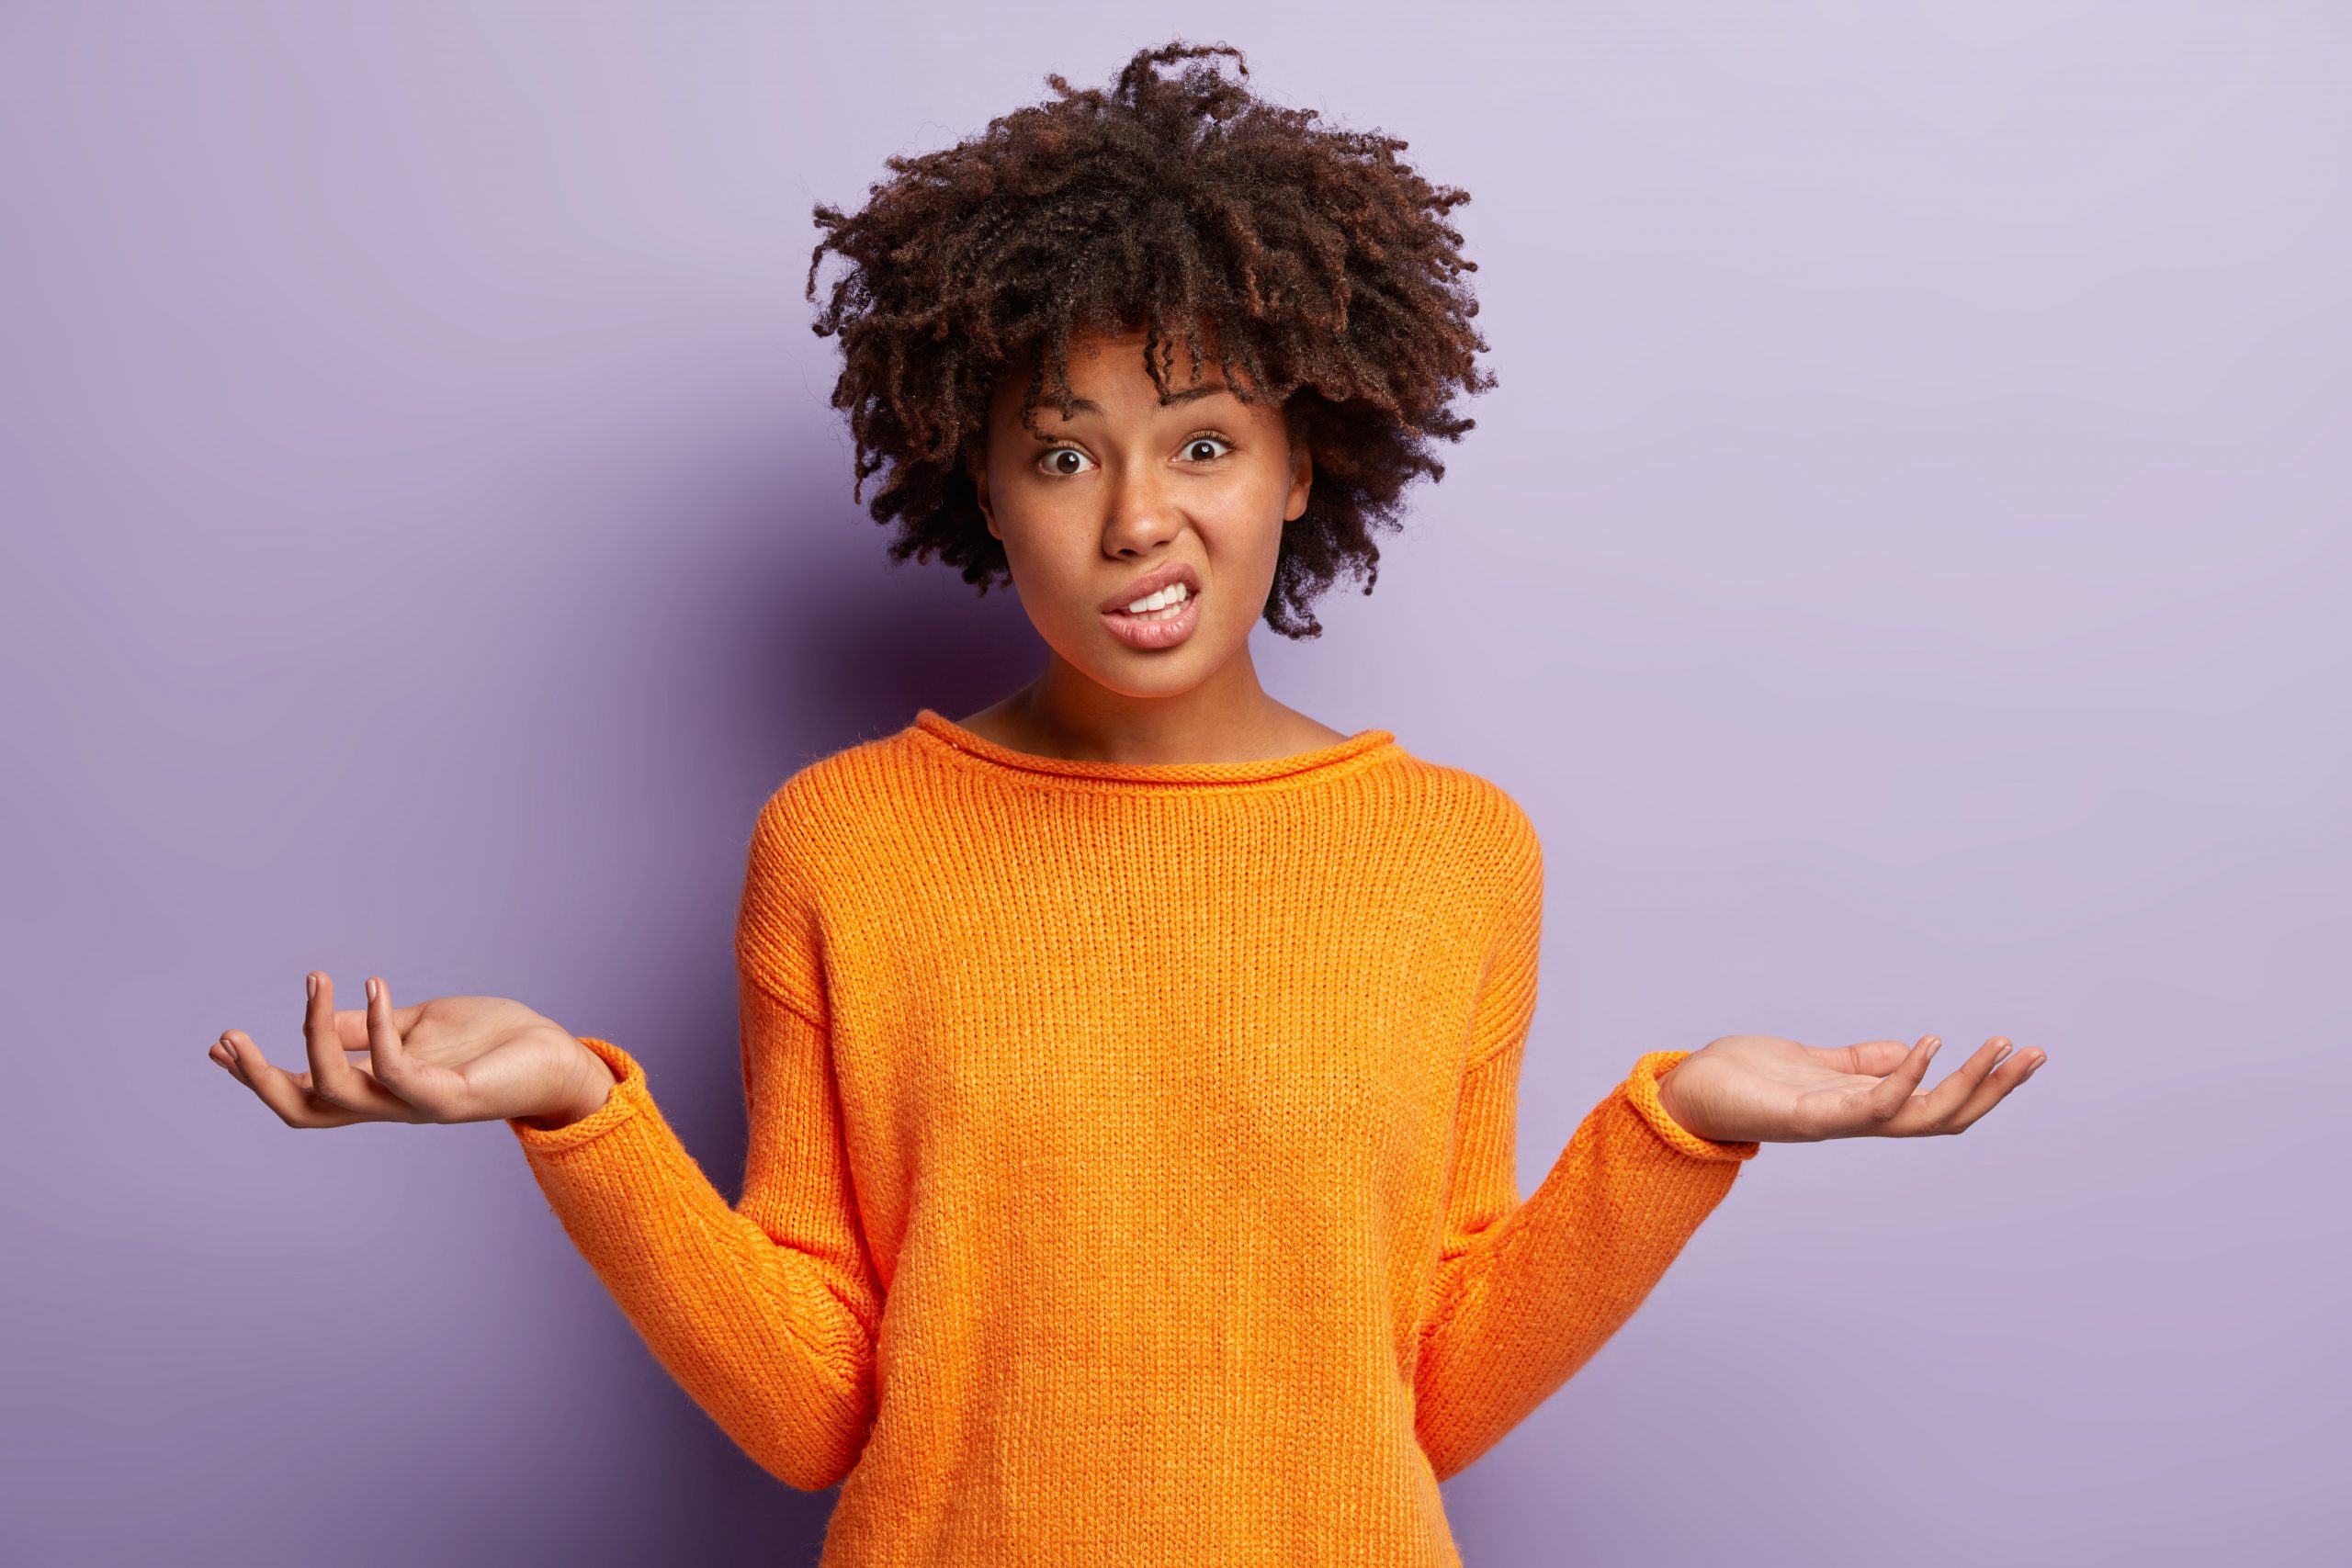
310 984
372 988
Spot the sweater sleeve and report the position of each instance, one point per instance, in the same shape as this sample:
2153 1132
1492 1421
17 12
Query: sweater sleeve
1525 1292
765 1312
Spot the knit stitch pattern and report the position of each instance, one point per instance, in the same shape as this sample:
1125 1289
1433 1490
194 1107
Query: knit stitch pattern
1132 1173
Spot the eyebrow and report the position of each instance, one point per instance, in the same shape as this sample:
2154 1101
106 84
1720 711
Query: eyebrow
1184 395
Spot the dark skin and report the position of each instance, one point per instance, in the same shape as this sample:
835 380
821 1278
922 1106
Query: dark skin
1010 722
1109 493
1209 479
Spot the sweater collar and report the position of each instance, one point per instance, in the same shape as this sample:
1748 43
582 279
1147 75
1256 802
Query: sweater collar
931 724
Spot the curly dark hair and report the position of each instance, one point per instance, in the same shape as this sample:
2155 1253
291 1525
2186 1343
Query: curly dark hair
1309 259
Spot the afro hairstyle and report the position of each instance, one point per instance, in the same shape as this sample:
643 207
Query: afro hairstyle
1309 264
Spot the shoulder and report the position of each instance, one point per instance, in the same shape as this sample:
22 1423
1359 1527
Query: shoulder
1481 840
810 830
821 822
1497 852
1473 817
817 819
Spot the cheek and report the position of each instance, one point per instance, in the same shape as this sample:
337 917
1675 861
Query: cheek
1246 525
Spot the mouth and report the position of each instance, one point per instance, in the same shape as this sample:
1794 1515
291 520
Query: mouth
1177 599
1163 628
1159 579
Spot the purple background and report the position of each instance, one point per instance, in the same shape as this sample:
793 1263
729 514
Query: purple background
1900 572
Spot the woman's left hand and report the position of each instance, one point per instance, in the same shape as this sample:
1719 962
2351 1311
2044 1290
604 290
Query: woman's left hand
1760 1088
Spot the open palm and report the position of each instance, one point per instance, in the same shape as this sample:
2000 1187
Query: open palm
450 1059
1764 1088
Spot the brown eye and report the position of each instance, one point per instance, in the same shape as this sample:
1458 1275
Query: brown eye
1065 460
1202 448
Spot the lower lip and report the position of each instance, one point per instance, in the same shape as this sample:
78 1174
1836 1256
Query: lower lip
1138 633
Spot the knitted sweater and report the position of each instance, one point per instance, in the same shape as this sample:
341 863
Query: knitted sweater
1131 1174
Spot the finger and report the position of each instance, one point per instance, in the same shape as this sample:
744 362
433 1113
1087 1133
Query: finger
334 1079
294 1103
331 1076
351 1024
1927 1110
1993 1088
1873 1112
1864 1113
225 1053
221 1053
387 1052
1870 1058
355 1089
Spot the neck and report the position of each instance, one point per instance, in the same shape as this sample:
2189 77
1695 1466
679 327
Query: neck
1228 717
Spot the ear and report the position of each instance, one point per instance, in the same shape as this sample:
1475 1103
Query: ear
1302 480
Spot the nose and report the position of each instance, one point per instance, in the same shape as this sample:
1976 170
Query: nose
1142 511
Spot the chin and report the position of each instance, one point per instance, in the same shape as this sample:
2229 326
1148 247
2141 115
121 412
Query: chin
1136 672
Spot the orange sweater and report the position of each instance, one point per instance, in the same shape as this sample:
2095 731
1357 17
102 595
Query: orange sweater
1131 1173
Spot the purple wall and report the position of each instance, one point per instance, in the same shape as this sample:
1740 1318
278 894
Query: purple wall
1900 571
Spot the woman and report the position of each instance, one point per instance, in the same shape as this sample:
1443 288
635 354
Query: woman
1131 1065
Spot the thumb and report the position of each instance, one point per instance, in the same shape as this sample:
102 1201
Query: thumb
388 1055
1873 1059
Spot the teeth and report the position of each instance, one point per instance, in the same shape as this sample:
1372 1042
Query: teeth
1174 593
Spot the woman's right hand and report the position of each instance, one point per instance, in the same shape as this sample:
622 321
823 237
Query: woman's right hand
451 1059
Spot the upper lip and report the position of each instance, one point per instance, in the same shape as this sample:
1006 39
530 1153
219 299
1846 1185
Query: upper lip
1152 582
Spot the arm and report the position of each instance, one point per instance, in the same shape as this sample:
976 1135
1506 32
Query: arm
1525 1292
766 1312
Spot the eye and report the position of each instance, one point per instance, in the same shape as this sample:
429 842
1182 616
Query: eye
1193 447
1051 460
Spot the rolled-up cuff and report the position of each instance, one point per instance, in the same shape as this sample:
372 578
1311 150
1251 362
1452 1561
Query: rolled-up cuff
1641 1090
627 1100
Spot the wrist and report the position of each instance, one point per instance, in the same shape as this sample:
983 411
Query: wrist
593 1090
1673 1118
1666 1102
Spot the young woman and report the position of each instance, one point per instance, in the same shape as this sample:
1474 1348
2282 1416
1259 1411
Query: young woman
1131 1065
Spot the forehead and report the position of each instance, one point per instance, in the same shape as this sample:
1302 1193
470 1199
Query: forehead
1105 368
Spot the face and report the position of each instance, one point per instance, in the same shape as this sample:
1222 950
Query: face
1127 486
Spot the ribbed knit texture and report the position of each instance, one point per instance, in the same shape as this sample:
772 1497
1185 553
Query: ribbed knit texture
1132 1173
